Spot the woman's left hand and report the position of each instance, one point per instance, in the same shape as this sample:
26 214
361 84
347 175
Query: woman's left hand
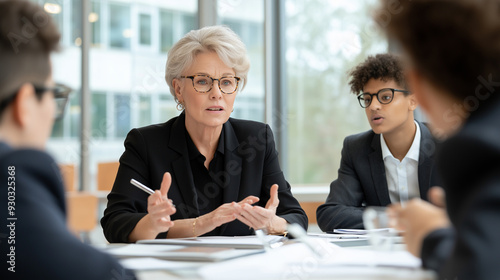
257 217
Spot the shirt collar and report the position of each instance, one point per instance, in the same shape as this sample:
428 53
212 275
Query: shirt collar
193 150
413 152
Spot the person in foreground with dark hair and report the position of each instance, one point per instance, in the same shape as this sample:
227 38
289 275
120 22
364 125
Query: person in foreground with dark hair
454 55
34 240
390 163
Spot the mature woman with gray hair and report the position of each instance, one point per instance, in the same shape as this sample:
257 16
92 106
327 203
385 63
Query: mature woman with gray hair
222 173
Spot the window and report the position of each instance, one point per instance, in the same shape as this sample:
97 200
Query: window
119 26
246 18
145 29
93 18
184 23
126 59
145 110
325 39
122 115
95 22
166 36
76 22
130 41
99 118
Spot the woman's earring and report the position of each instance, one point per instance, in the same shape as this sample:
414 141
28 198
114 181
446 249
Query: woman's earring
180 106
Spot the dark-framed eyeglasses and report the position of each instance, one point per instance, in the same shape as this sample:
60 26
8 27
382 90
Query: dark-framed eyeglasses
204 83
61 96
384 96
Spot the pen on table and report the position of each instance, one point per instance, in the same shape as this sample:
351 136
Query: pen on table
348 237
145 188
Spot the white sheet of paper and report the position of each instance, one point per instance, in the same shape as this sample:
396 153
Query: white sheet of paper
156 264
182 253
337 236
238 242
294 260
359 231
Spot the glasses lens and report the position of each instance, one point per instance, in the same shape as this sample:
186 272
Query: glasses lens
60 106
61 95
385 96
365 100
228 84
202 83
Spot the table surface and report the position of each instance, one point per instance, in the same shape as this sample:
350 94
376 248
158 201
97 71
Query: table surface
339 272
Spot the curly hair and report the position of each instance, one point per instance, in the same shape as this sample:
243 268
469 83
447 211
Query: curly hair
381 66
455 44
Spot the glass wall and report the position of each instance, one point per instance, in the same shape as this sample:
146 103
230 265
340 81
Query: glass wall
129 44
246 18
325 39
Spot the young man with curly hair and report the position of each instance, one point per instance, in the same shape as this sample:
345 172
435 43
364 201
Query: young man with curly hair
392 162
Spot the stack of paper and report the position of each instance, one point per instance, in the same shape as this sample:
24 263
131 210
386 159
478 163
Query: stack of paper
236 242
297 261
181 253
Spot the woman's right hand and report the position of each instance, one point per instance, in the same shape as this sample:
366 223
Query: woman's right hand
160 207
158 217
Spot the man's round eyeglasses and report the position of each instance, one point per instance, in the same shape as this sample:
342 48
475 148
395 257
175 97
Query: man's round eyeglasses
384 96
204 83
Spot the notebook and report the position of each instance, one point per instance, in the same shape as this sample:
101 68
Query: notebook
180 253
236 242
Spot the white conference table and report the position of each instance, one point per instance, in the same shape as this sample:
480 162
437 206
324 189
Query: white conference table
268 266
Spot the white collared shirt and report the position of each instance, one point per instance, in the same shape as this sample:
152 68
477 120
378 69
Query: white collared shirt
402 176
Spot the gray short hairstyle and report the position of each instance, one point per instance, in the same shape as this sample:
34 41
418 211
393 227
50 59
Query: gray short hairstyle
220 39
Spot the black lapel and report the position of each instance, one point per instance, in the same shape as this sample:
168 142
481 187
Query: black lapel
427 148
182 175
377 168
231 158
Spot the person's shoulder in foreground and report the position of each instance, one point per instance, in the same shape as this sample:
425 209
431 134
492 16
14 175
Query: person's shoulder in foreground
35 242
464 107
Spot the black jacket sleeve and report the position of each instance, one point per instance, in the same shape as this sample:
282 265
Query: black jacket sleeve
436 248
43 246
343 207
127 205
470 168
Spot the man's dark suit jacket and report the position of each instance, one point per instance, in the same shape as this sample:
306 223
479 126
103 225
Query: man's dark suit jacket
251 168
362 181
469 165
38 242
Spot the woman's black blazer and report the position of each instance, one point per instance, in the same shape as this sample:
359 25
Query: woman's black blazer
251 168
